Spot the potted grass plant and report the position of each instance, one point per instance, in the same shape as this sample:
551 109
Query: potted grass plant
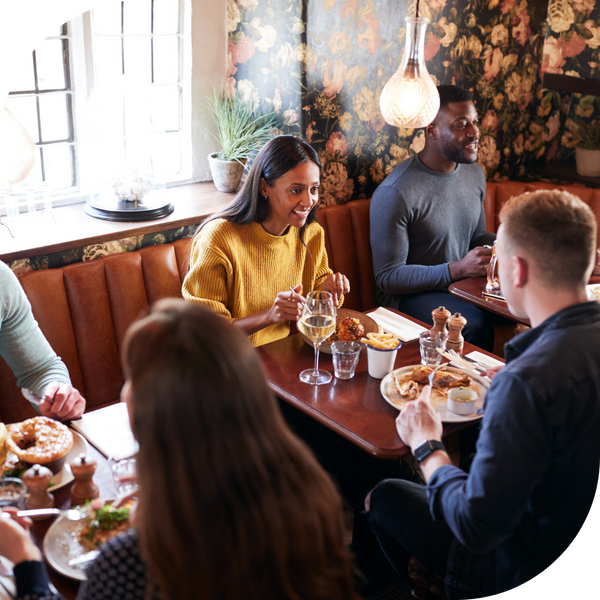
242 128
587 151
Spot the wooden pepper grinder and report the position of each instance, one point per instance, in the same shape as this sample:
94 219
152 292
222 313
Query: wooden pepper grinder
37 478
83 468
440 318
455 339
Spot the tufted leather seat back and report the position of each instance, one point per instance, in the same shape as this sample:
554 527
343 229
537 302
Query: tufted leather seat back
85 309
347 239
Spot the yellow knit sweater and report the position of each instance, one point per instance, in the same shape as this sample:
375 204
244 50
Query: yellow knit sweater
237 270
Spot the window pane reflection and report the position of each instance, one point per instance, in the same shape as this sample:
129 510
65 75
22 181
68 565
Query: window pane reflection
54 117
166 59
50 67
25 110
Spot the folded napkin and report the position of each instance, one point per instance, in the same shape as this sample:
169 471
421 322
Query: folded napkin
393 323
485 359
108 430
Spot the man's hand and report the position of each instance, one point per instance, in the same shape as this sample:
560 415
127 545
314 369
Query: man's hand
419 421
62 401
474 264
491 372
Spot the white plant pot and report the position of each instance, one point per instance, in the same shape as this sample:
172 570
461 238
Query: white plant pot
588 162
226 173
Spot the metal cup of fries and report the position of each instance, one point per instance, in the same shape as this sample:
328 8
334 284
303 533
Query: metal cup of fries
381 353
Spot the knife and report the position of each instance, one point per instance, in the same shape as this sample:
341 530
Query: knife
84 558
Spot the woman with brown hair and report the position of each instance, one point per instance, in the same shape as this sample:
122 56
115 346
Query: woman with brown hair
231 503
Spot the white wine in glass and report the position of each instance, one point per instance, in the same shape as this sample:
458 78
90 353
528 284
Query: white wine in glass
317 323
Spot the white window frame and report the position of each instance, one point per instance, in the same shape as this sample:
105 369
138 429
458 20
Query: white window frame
203 48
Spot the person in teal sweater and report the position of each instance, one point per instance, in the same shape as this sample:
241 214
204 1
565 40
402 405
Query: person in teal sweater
29 355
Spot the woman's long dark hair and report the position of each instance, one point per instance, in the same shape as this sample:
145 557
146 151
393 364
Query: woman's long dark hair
278 156
231 504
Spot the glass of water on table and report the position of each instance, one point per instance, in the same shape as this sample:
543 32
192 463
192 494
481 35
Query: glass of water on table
124 476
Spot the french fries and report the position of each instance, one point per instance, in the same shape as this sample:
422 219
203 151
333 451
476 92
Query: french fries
381 341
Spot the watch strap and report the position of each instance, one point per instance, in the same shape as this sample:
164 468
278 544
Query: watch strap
422 451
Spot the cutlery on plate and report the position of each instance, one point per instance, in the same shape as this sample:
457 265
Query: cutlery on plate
71 514
478 365
84 559
430 376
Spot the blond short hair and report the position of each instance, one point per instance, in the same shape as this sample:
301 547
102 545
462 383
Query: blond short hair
558 232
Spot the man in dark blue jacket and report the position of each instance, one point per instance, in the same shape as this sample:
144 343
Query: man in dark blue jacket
533 478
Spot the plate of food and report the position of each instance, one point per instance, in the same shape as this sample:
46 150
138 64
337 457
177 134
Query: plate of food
44 441
351 326
404 385
593 292
67 540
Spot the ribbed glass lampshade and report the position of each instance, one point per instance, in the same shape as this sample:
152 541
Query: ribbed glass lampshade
410 98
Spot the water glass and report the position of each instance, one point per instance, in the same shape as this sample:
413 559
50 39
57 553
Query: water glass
345 358
430 342
12 492
124 476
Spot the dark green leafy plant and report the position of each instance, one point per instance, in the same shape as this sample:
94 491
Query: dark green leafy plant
588 135
242 125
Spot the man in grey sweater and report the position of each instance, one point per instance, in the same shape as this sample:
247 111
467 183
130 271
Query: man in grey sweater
428 221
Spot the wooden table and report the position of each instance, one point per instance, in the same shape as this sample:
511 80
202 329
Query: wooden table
353 408
471 290
103 479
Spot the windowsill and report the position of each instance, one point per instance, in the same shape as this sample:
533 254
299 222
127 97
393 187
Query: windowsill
73 228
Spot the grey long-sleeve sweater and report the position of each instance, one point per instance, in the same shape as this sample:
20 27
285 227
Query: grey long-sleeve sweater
421 220
22 344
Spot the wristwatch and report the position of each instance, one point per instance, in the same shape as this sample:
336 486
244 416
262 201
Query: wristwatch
423 450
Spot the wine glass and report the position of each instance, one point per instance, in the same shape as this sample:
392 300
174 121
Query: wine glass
317 323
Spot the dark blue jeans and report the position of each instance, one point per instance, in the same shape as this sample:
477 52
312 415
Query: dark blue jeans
400 519
479 329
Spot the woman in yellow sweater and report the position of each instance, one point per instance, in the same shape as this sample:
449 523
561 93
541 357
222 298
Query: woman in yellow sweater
246 257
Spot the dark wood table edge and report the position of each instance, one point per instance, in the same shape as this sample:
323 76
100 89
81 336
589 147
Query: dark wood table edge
498 307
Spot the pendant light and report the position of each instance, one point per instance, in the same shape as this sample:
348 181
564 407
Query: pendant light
410 98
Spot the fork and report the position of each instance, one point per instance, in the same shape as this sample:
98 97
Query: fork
430 376
71 514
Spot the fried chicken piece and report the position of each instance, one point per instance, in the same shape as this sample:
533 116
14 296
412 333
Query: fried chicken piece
352 325
407 389
441 379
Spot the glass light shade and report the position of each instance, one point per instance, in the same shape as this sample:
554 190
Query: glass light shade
410 98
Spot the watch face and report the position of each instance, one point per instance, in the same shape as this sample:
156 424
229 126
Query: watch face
426 448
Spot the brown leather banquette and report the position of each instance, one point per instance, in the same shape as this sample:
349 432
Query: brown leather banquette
84 309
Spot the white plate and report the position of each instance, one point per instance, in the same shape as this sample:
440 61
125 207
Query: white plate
391 396
64 476
590 293
61 544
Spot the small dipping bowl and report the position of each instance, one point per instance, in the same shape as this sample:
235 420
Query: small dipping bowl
461 401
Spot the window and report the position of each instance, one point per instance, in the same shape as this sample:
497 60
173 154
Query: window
141 42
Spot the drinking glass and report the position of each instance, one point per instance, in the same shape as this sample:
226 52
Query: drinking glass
429 342
12 492
317 323
493 281
124 476
345 358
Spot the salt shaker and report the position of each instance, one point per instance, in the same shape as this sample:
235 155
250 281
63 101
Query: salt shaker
37 479
83 469
440 318
455 339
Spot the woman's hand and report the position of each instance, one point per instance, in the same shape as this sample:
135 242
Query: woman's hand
336 284
15 542
287 306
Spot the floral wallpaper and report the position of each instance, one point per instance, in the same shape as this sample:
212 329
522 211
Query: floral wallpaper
60 259
323 64
572 47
